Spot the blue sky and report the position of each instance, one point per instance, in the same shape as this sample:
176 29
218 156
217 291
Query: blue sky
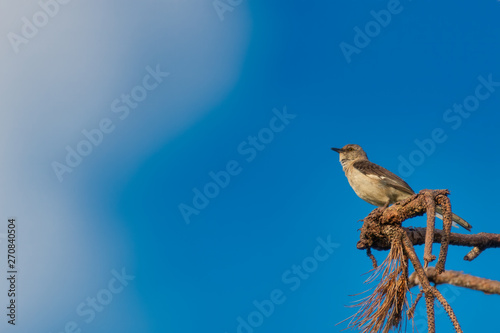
239 101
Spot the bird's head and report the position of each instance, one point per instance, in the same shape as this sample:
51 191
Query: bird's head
350 152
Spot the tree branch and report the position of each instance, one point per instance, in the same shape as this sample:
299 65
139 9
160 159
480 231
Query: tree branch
457 279
382 230
480 241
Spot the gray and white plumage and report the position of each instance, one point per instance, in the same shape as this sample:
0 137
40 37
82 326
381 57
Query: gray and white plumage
375 184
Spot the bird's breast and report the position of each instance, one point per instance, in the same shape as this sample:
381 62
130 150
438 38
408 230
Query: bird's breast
370 189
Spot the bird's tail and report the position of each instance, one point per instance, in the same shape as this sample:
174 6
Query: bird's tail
455 218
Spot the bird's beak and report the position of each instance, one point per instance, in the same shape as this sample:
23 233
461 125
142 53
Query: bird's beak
337 150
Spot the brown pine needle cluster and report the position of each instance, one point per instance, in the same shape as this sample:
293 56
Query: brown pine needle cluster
384 308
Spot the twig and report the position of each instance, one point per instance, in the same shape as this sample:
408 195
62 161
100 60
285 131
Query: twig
445 203
430 292
448 309
426 287
474 253
372 257
429 236
431 319
458 279
411 311
481 240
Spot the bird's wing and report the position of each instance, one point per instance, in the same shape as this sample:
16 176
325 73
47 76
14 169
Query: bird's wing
376 171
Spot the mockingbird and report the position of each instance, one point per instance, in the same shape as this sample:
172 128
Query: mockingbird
375 184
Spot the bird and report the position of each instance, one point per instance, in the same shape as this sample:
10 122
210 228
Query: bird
377 185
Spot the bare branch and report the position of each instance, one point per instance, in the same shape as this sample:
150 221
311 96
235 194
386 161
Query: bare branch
372 257
457 279
481 240
411 311
429 237
445 203
382 230
474 253
448 309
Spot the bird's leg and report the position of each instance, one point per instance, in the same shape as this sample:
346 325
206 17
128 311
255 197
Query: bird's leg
381 209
